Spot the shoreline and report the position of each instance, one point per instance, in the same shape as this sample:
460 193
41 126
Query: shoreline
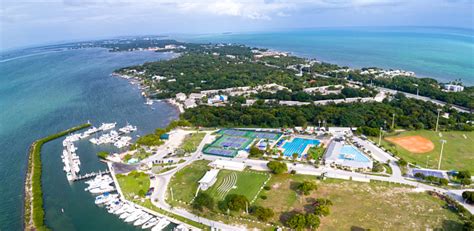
33 209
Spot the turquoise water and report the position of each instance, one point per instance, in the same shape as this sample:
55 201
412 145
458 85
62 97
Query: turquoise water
350 150
442 53
298 145
50 92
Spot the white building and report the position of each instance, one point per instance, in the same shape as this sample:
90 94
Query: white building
180 96
227 164
453 88
217 99
347 156
196 96
190 103
208 179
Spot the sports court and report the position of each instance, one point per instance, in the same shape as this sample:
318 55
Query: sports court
233 140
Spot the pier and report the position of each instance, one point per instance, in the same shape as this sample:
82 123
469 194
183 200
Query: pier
90 175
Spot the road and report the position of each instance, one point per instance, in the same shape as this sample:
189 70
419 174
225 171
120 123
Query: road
161 181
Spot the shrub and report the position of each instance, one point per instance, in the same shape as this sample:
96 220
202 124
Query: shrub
264 197
261 213
267 187
203 200
277 167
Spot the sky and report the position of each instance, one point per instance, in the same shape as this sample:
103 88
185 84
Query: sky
32 22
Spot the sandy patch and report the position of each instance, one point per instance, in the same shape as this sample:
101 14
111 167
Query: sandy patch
414 144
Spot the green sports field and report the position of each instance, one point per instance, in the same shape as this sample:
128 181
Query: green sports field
247 183
458 151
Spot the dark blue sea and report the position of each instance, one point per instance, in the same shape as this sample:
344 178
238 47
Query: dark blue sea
52 91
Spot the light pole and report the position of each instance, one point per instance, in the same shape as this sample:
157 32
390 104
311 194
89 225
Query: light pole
416 85
441 153
427 157
393 121
380 136
437 120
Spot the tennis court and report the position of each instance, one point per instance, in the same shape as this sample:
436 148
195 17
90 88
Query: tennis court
233 140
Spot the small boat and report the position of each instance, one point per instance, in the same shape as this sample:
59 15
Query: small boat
123 209
161 224
150 223
124 215
142 219
181 228
135 215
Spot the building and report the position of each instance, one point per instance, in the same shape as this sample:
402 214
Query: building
217 99
453 88
180 96
190 103
343 155
208 179
227 164
196 96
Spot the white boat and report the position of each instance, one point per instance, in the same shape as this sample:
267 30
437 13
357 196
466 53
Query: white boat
103 188
123 209
142 219
181 227
114 207
161 224
69 176
150 223
135 215
149 102
107 126
127 129
105 198
124 215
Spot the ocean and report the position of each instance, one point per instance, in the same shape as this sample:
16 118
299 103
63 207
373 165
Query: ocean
43 92
445 54
48 92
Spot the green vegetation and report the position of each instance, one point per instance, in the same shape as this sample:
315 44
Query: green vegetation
366 205
248 183
102 155
34 211
306 187
234 202
468 196
262 213
154 139
411 114
192 141
203 200
277 167
134 184
457 153
185 182
316 153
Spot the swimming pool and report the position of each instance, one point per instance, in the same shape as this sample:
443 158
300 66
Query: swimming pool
298 145
349 152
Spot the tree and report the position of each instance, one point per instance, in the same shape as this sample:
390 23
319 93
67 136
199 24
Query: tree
262 213
255 152
294 155
312 221
322 207
419 175
466 181
468 196
234 202
444 182
306 187
402 162
297 221
277 167
102 155
203 200
464 174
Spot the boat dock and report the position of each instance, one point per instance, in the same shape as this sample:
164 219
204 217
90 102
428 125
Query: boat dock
89 175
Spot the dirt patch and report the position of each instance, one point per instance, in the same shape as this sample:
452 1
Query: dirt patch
414 144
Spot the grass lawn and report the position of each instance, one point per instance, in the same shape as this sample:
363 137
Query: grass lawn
458 152
248 184
133 183
376 205
191 142
185 181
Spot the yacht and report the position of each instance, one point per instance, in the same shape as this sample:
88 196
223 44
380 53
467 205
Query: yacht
124 215
103 188
161 224
123 209
181 228
107 126
150 223
135 215
142 219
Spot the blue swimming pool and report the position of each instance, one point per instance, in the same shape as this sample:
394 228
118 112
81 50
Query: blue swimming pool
298 145
349 152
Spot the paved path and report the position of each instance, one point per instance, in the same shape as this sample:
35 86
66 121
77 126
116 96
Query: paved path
161 181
